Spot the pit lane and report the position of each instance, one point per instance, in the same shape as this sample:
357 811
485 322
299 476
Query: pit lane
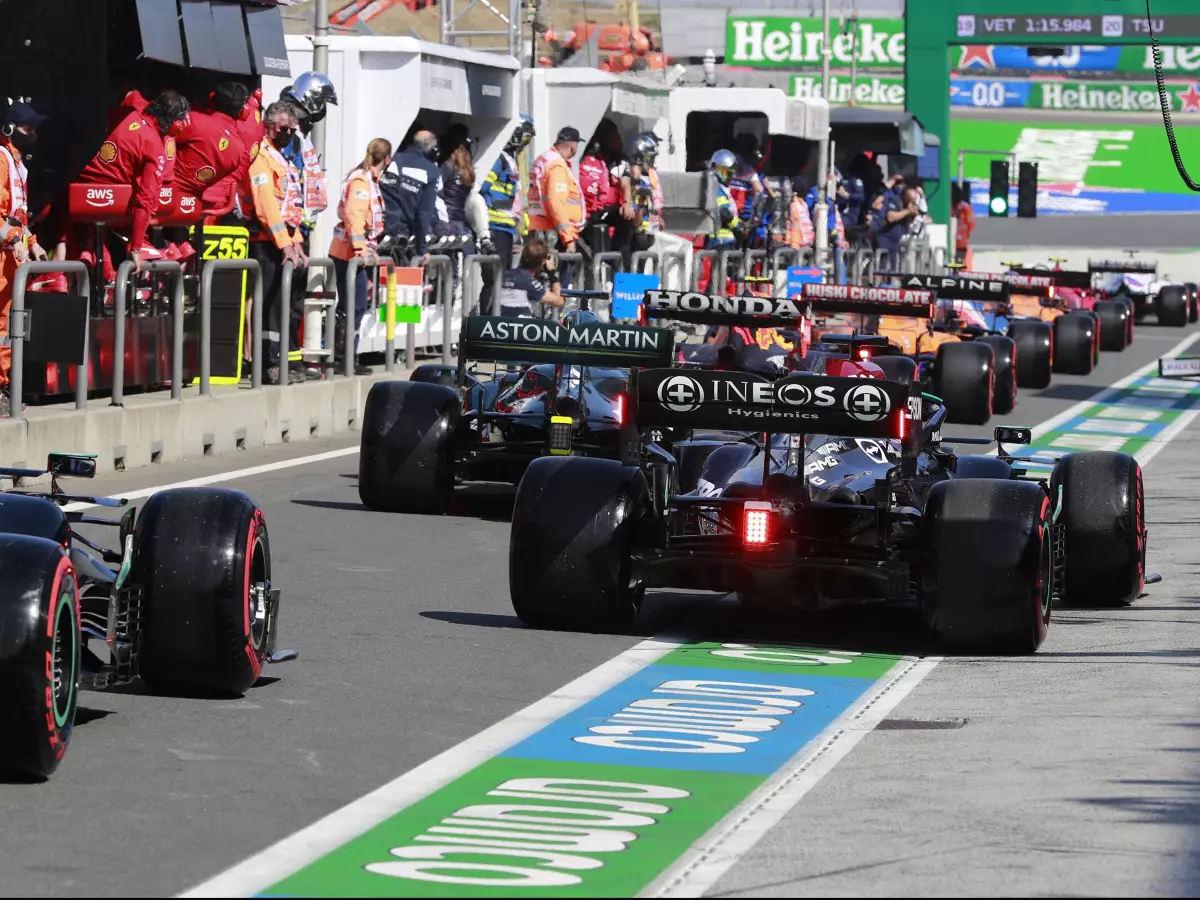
409 647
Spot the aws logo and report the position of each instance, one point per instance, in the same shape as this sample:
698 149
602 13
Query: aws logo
100 197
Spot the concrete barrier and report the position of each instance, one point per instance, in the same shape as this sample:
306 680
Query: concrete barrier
152 428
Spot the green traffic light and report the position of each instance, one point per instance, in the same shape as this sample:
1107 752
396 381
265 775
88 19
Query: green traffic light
999 206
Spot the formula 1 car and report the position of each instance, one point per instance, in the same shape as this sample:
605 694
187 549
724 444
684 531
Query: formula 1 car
1171 303
186 605
450 424
835 488
975 374
1072 292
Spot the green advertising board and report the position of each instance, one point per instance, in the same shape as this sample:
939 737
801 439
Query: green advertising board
868 90
792 42
1111 96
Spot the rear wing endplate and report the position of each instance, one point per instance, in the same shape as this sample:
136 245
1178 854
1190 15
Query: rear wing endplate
848 298
506 338
798 404
1128 267
705 309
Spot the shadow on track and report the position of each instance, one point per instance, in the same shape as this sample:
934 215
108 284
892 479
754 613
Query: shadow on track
485 501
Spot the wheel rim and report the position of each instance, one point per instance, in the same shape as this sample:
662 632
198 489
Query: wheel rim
256 595
1045 581
64 658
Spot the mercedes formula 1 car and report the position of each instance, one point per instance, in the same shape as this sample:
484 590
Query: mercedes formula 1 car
186 604
449 424
828 488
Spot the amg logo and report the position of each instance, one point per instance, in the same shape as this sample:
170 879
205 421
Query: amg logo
101 197
524 332
694 302
854 293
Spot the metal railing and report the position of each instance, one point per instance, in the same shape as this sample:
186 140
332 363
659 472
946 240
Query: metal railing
120 294
684 265
18 328
287 276
211 268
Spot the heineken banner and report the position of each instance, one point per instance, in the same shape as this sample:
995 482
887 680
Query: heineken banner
794 43
1090 96
869 90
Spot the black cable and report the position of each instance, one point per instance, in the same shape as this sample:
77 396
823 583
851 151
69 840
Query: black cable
1165 103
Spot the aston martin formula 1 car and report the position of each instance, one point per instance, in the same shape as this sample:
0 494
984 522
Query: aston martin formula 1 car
827 490
186 604
560 395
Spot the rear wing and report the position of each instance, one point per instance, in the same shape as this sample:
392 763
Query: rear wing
503 338
692 306
1179 367
834 298
1062 278
1126 267
798 404
1038 284
951 288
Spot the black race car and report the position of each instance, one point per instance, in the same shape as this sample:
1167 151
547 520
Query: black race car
824 491
449 424
186 604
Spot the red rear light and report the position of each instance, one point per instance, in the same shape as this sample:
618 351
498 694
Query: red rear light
620 409
756 532
901 424
864 353
641 316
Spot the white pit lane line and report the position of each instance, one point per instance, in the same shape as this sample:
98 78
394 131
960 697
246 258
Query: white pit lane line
716 852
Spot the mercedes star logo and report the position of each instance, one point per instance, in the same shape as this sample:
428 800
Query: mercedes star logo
867 403
680 393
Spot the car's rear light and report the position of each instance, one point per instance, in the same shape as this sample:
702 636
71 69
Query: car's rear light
620 409
561 431
641 314
864 353
756 530
901 424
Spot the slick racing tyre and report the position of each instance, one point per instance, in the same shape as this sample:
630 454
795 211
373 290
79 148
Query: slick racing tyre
435 373
1171 306
1114 327
569 566
203 561
405 464
900 369
1097 334
1004 352
1035 352
1193 295
1074 335
987 565
1100 506
964 379
39 654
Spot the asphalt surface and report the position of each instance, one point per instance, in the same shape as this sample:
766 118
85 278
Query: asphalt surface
1163 231
409 646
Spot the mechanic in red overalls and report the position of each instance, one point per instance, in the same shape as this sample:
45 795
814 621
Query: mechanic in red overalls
136 154
212 155
250 129
607 184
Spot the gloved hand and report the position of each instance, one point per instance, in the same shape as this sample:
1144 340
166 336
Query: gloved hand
486 247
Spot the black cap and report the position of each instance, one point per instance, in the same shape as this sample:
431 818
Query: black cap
568 134
21 113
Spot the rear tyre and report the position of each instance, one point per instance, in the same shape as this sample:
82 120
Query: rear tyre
964 379
900 369
569 565
1004 352
1131 307
405 464
203 560
1114 330
1193 295
435 373
986 570
1035 352
1073 337
1100 506
39 654
1172 306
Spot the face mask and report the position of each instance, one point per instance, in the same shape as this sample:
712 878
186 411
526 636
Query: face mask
25 143
432 153
283 137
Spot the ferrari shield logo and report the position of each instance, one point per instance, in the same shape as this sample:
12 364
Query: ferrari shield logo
134 126
223 145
